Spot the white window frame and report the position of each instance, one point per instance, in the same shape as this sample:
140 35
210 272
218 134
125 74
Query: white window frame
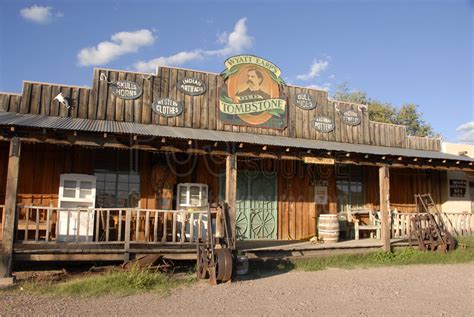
202 188
78 178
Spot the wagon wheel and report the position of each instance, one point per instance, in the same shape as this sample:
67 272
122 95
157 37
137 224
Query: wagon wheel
241 225
223 264
449 239
263 224
202 263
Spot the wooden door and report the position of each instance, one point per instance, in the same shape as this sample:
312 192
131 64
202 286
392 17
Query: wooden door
256 206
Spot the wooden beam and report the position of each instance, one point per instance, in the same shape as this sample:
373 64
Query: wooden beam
384 186
230 193
9 212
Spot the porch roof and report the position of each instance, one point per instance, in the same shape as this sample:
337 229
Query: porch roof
103 126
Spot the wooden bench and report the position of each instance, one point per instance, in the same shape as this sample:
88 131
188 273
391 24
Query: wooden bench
374 225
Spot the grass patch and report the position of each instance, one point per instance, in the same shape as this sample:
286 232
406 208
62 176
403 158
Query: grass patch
137 280
400 256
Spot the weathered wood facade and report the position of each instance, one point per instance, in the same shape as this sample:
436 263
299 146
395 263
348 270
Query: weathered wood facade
352 179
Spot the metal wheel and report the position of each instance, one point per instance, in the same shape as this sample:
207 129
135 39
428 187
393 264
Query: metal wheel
450 241
263 225
202 264
223 264
241 226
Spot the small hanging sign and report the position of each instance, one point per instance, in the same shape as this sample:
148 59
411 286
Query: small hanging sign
192 86
321 192
457 187
126 89
350 117
323 124
304 101
167 107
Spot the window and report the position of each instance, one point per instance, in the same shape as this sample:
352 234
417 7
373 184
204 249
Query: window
118 179
77 188
350 189
192 195
117 189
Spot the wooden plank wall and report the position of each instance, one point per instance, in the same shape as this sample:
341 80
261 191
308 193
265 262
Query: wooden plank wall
404 184
201 112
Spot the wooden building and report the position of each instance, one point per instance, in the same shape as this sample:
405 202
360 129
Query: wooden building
105 172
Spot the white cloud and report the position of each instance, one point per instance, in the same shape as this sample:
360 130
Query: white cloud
315 70
121 43
37 14
325 86
234 43
467 132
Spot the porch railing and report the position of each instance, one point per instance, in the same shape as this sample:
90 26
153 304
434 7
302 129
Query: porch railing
458 224
112 225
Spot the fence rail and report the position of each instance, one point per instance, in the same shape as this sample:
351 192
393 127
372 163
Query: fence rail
113 225
458 224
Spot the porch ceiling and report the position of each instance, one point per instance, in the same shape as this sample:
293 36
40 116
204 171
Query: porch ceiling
103 126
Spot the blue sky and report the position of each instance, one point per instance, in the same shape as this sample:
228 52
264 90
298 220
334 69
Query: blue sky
397 51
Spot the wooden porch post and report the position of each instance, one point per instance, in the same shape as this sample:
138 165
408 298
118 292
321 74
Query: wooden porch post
10 212
230 191
384 185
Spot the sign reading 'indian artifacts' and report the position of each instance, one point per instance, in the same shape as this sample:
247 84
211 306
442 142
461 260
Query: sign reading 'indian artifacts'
167 107
457 187
350 117
126 89
323 124
304 101
192 86
252 94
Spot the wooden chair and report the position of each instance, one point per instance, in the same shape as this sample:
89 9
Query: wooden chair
374 223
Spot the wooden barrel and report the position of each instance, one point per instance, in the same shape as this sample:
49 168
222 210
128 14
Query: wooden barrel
328 228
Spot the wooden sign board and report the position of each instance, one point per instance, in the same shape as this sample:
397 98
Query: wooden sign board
457 188
252 94
318 160
192 86
323 124
167 107
304 101
126 89
351 117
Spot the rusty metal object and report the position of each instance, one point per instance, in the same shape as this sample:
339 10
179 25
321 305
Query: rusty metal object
214 256
429 234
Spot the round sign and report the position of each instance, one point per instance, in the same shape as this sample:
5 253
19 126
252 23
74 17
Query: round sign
350 117
323 124
192 86
167 107
126 89
304 101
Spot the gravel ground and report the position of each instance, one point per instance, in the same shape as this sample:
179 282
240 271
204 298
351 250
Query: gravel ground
428 290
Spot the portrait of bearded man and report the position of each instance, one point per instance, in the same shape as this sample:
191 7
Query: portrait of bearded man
254 90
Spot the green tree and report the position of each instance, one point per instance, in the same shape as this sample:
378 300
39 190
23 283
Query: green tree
407 115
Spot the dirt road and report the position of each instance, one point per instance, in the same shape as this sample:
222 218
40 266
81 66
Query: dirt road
434 290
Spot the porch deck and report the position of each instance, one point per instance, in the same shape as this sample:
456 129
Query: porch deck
263 249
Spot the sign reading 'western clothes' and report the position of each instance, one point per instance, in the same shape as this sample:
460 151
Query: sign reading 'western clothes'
350 117
304 101
252 94
167 107
126 89
457 187
323 124
192 86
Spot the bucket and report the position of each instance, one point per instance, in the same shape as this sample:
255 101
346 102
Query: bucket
328 228
242 265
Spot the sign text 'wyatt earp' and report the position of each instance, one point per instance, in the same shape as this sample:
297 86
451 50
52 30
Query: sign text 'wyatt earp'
167 107
192 86
323 124
126 89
